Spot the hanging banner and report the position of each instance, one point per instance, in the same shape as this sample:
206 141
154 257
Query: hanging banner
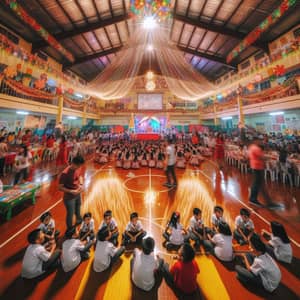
23 15
262 27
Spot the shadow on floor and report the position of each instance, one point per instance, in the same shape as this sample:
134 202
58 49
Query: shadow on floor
16 257
95 280
282 292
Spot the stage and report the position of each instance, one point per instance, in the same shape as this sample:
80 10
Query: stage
149 136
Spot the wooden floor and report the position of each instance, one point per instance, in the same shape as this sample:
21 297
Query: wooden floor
144 193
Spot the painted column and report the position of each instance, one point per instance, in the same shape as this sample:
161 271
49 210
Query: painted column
84 114
216 120
60 109
240 107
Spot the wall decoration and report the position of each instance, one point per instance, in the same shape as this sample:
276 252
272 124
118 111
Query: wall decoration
261 28
25 17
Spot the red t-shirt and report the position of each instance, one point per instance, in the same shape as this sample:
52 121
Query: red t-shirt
256 157
70 179
185 275
50 143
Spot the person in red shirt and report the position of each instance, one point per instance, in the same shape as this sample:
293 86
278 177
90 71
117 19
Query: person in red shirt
182 276
256 158
70 182
26 138
219 150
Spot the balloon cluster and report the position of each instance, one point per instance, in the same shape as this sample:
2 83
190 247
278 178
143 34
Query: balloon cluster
161 9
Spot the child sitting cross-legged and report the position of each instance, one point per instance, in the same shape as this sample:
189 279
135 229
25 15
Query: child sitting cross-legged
112 226
260 269
134 232
221 243
47 226
144 265
74 250
244 227
38 258
182 276
87 228
175 234
279 245
196 229
106 253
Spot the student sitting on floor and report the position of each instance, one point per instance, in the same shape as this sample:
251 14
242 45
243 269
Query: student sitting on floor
47 226
87 228
144 162
135 163
196 228
112 226
221 243
180 160
194 160
74 250
134 232
244 227
175 234
279 245
152 162
144 265
183 274
38 258
260 270
119 162
217 217
106 253
127 161
160 160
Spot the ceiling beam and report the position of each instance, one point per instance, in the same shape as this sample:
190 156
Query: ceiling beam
92 56
90 27
207 56
218 29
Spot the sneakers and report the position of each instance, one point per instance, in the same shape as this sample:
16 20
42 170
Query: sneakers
256 203
275 206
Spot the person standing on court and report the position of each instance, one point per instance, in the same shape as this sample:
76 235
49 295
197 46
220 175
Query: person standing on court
170 164
70 183
256 157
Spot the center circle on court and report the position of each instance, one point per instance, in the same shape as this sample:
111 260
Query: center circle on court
138 185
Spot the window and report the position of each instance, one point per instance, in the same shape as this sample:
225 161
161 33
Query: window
265 85
42 55
296 32
259 56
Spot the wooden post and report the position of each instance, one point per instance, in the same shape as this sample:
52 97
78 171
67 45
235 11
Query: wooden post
60 109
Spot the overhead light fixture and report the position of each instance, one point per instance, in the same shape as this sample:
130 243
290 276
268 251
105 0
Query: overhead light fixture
226 118
149 75
71 118
20 112
149 23
149 48
276 113
150 85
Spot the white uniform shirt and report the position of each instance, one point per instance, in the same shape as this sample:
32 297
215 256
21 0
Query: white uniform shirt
282 251
86 227
176 236
111 226
71 258
134 228
195 224
215 221
33 260
143 270
49 227
23 162
267 269
171 155
104 252
223 246
239 222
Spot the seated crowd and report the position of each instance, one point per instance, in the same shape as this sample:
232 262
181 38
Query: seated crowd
257 266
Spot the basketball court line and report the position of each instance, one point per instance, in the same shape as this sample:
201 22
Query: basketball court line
248 207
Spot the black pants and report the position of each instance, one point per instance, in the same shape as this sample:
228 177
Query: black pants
2 162
171 172
73 207
52 262
21 173
259 186
127 239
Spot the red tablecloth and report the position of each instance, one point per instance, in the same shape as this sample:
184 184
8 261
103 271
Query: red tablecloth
10 158
148 136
